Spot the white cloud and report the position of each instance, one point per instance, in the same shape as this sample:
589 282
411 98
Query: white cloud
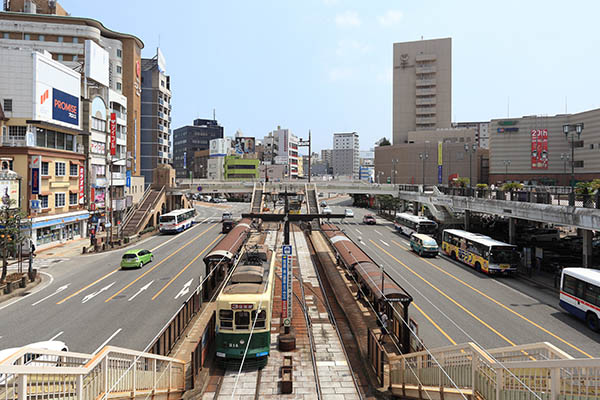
351 47
347 19
390 18
341 74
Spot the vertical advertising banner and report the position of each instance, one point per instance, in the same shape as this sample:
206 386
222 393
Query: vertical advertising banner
36 179
534 156
113 134
81 185
440 161
539 149
544 152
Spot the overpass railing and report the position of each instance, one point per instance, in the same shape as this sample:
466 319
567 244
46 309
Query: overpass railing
113 373
558 196
535 371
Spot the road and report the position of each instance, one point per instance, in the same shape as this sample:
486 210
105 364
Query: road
454 304
90 302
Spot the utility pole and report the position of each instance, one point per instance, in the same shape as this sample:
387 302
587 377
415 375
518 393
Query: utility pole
307 143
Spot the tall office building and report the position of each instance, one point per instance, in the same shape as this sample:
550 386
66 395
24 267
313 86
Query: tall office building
422 87
156 115
192 138
41 25
345 156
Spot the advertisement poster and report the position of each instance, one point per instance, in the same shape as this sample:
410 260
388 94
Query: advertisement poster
65 107
113 134
539 149
244 145
9 192
440 162
81 185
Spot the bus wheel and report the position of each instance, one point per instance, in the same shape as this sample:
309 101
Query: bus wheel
477 267
592 321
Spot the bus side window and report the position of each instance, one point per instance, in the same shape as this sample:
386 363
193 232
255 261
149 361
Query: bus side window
592 294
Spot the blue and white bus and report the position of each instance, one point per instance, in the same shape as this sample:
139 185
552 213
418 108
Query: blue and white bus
409 224
177 221
580 294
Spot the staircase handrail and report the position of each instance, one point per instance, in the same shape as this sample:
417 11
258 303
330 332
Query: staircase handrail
136 207
162 191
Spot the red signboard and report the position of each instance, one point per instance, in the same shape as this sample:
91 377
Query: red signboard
113 134
81 185
539 149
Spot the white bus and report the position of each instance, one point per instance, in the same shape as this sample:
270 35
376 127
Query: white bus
408 224
580 294
177 221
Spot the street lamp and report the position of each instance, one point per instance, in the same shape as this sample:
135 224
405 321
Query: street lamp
394 172
506 165
572 128
472 149
565 157
424 156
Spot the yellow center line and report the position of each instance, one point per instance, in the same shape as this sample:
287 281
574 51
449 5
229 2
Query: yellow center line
448 297
90 285
157 265
186 267
434 323
506 308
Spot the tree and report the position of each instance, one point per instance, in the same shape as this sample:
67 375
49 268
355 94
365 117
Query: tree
383 142
10 232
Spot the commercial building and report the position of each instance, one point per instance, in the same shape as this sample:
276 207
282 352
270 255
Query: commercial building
345 155
534 149
240 169
281 148
156 115
422 87
42 141
46 26
201 158
431 163
272 172
191 138
219 148
481 129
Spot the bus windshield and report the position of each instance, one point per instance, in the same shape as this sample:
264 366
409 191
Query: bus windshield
167 218
426 227
503 255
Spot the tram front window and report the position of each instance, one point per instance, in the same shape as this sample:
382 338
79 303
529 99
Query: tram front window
242 320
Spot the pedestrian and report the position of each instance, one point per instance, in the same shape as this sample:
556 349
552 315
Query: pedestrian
383 319
32 247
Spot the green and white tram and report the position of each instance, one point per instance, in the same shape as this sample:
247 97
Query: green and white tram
244 309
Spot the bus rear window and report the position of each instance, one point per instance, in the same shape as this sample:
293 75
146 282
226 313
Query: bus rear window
167 218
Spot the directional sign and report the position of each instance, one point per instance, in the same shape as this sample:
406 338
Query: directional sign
286 250
286 284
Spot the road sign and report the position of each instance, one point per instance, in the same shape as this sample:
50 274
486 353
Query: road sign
286 284
199 188
286 250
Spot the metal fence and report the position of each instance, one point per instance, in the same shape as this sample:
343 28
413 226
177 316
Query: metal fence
200 353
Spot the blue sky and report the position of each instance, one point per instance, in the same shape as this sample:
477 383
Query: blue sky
326 65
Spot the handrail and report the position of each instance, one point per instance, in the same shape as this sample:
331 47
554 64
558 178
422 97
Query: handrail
162 191
133 209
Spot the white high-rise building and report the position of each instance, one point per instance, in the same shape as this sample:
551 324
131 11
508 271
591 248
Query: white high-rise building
281 147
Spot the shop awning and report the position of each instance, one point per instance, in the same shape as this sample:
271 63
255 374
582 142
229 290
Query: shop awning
59 220
56 127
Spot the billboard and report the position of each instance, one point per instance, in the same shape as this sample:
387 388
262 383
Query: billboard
9 191
160 60
244 145
36 182
56 92
539 149
96 63
219 147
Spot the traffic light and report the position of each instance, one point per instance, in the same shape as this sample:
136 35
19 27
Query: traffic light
389 179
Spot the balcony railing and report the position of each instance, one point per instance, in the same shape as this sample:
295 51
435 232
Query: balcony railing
426 92
426 70
14 142
426 101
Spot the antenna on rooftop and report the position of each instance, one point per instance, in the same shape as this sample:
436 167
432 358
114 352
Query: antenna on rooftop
214 114
566 105
508 107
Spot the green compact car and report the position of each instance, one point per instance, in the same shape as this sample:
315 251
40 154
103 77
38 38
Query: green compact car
136 258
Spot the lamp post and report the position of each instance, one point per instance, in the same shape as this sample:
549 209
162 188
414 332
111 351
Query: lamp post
573 129
424 156
394 172
506 165
470 149
565 157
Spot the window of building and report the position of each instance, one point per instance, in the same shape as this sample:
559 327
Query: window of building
43 200
75 57
119 86
69 142
44 168
73 170
60 169
59 199
73 199
7 105
119 69
27 36
60 57
162 83
119 53
17 132
75 40
98 124
60 140
59 39
5 35
41 38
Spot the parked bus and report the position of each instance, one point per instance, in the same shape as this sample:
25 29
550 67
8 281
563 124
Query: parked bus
409 224
580 294
479 251
177 221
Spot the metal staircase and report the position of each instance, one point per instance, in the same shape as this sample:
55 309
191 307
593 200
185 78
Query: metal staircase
137 219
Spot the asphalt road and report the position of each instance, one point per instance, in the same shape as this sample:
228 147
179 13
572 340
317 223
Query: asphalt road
90 302
455 304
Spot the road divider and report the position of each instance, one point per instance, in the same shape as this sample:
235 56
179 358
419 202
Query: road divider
160 263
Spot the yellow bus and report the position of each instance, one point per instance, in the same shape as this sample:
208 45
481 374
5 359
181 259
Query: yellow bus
480 252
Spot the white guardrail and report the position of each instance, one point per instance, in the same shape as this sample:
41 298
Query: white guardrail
113 373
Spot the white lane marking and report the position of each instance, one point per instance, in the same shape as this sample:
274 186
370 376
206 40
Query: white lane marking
378 232
92 295
357 231
58 290
30 294
141 290
384 243
107 340
186 289
55 336
170 240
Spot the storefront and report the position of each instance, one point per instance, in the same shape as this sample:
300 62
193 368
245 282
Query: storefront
62 228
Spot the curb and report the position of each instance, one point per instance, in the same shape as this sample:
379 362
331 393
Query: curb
538 283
